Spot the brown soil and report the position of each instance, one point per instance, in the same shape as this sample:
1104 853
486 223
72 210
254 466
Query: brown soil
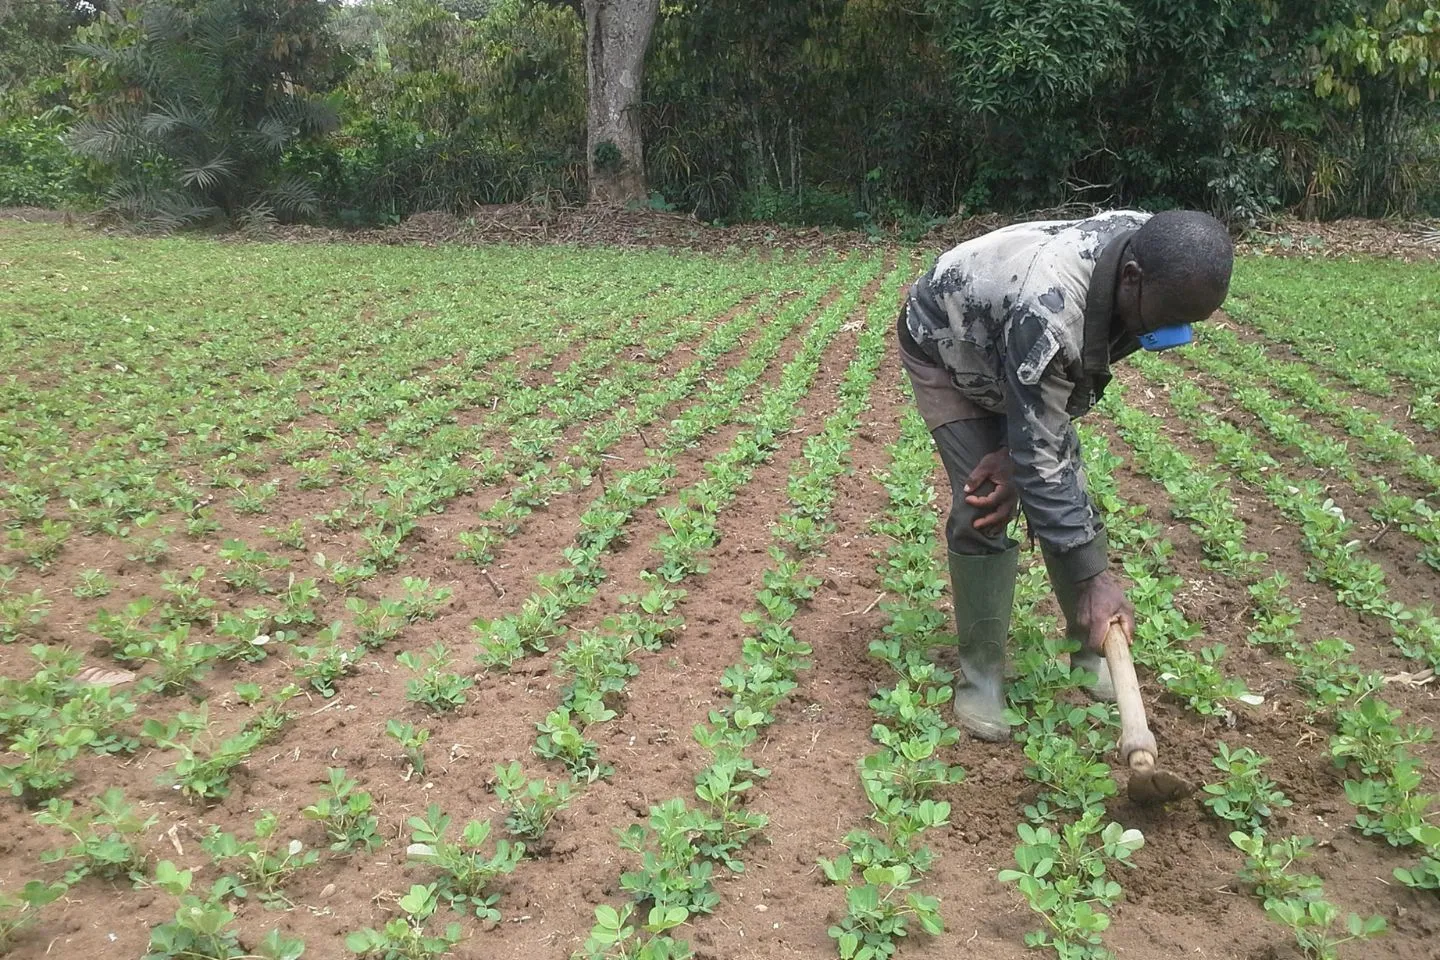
1183 898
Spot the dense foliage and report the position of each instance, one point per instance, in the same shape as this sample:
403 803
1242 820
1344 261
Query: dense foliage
856 112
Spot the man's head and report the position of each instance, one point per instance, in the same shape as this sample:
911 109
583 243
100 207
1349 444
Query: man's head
1177 272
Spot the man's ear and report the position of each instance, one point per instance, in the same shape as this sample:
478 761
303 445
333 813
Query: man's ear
1130 273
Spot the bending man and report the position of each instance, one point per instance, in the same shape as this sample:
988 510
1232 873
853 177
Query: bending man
1006 340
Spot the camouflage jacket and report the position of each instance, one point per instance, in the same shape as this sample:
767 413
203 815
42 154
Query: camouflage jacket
1020 319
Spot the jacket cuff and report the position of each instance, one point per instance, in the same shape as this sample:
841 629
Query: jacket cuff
1085 561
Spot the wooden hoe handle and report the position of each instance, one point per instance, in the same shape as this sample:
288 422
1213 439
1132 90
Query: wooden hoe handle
1137 743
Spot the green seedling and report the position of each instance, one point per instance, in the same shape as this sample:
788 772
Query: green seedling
412 740
1062 877
188 604
1268 867
1314 926
614 936
464 871
879 912
531 804
1246 796
405 937
436 688
20 613
324 661
346 813
203 768
263 864
93 585
20 909
103 841
377 624
202 929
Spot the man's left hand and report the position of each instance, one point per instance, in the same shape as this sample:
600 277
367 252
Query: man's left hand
1100 601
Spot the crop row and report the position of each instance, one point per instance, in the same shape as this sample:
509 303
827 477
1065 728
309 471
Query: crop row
680 845
1368 738
1327 535
1242 366
1358 331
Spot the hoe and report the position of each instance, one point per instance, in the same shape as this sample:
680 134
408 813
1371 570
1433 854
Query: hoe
1148 784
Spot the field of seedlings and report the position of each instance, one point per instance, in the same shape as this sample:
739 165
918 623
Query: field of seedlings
396 603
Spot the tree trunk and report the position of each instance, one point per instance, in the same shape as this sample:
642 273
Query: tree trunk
617 34
1379 122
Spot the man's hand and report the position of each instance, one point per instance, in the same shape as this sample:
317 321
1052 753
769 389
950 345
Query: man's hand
1100 601
999 469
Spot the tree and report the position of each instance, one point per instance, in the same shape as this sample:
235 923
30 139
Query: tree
33 36
192 104
617 35
1373 55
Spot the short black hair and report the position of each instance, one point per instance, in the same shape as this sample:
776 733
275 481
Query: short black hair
1186 250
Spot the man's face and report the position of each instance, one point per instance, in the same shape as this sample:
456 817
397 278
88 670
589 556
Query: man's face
1144 305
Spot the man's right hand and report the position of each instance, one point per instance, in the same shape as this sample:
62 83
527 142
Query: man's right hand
999 503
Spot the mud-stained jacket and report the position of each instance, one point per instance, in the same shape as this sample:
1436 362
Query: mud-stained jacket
1020 319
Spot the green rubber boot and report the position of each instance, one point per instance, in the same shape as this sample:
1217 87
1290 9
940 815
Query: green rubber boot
983 587
1068 594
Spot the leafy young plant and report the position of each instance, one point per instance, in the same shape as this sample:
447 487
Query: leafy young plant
201 929
104 840
411 740
93 585
405 937
436 688
189 604
614 937
1246 796
46 751
531 804
180 660
20 909
204 764
20 612
879 912
465 871
377 624
671 872
323 661
264 863
1268 867
1062 876
1313 924
560 739
346 813
1425 875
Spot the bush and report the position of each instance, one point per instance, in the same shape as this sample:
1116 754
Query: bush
379 171
37 169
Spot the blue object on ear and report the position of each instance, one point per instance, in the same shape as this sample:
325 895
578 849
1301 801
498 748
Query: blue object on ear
1166 337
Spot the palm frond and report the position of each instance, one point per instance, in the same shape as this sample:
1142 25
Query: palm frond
208 175
256 219
167 118
155 207
294 196
111 138
270 134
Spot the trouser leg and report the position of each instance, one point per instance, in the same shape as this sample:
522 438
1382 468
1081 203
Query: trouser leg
982 581
962 444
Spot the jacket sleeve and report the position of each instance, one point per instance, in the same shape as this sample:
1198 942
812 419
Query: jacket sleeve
1049 474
